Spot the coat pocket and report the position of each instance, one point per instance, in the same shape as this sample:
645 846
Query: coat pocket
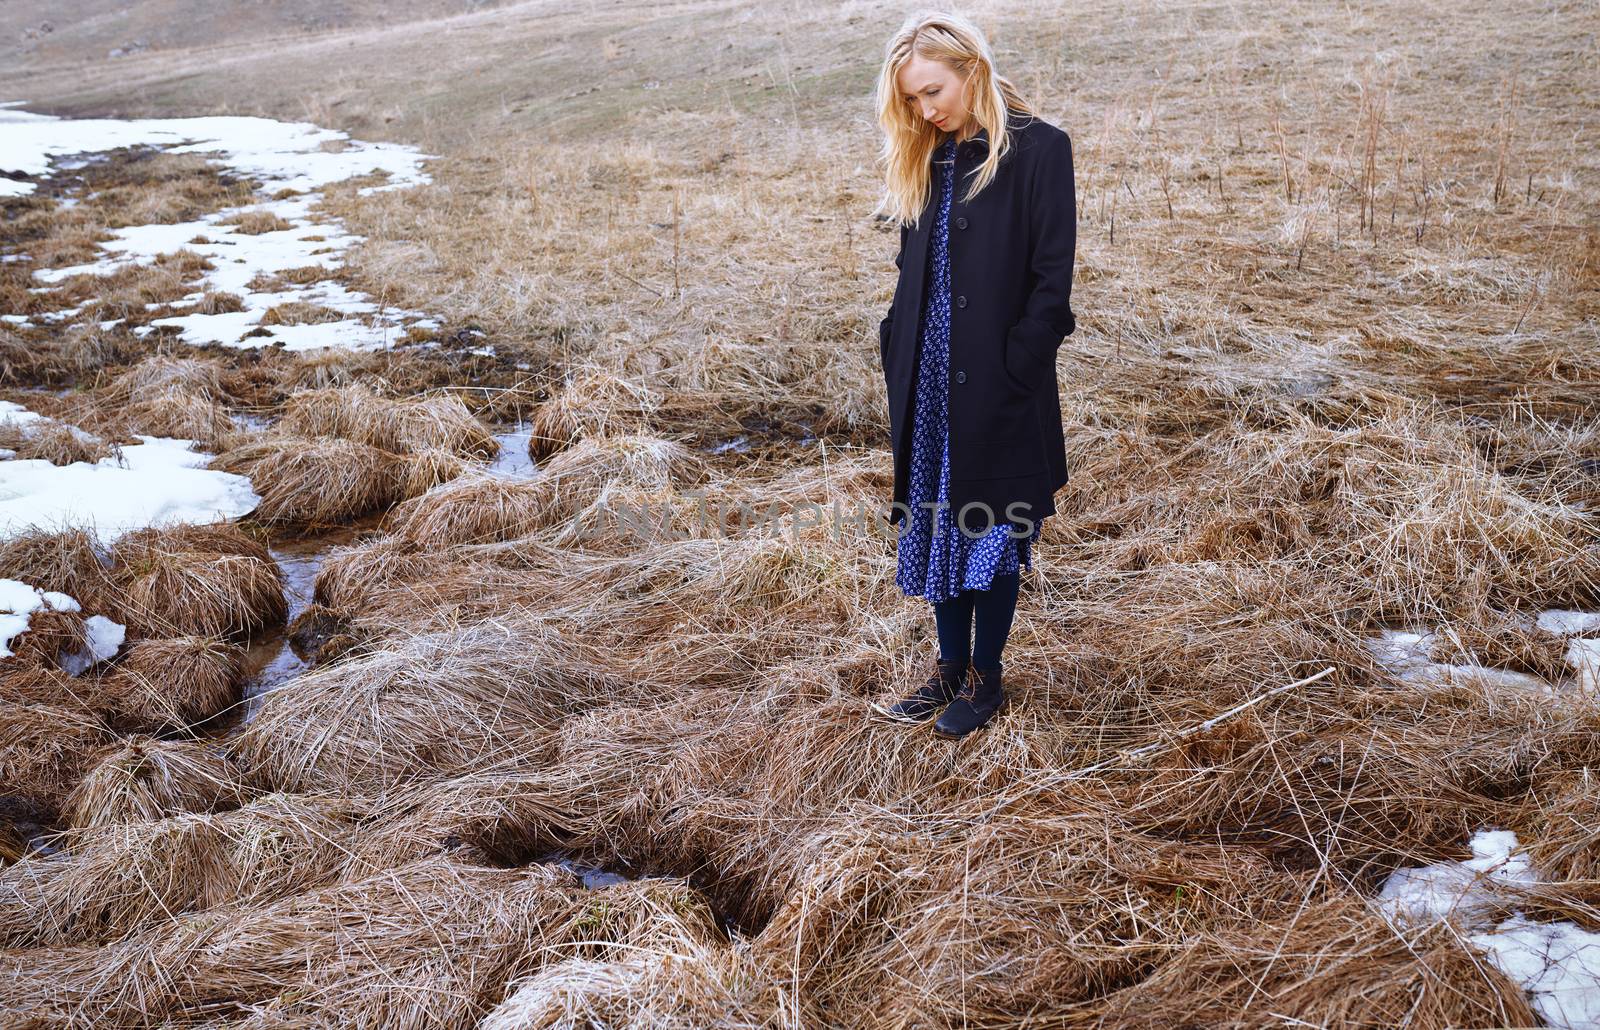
1024 367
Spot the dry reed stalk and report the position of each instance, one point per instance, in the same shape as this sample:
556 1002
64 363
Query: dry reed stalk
418 706
316 482
117 879
142 779
196 580
172 682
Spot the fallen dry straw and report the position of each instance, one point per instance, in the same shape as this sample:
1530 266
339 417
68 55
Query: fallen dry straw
432 703
450 941
116 879
210 580
143 779
172 682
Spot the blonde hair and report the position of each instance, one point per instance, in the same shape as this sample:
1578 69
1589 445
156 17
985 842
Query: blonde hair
910 140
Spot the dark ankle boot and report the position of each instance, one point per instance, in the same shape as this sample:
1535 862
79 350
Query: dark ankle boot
940 689
974 705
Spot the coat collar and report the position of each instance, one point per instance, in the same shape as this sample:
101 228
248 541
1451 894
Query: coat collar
1015 120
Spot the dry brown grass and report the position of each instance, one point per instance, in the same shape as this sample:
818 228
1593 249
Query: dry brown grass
142 779
50 633
27 682
201 378
256 222
1316 387
122 877
403 426
315 482
71 561
44 750
1276 972
456 937
431 704
13 845
594 402
54 442
210 580
301 312
172 682
470 509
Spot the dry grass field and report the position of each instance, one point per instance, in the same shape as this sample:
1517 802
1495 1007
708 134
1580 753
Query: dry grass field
1336 377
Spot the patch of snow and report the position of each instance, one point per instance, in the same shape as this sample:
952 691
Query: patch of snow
18 601
282 156
104 638
1557 963
1408 656
13 413
1583 656
1456 888
160 481
1564 623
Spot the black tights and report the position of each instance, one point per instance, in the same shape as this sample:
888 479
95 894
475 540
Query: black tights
991 609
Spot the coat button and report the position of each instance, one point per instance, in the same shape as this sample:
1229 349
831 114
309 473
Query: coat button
961 223
961 377
961 301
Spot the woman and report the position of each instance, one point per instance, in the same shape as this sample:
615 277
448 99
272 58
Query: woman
983 192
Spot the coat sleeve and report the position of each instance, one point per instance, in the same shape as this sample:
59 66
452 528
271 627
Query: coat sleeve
1047 315
888 320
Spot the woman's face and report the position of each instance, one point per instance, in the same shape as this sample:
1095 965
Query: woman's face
934 92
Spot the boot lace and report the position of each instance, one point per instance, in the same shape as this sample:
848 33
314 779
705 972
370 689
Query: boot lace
969 686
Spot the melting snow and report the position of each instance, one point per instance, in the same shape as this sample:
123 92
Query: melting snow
281 155
18 601
1557 963
159 481
1408 655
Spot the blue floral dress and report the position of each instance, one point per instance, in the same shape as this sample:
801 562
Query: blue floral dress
936 559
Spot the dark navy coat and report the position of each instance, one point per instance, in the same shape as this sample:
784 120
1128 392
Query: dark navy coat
1011 257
